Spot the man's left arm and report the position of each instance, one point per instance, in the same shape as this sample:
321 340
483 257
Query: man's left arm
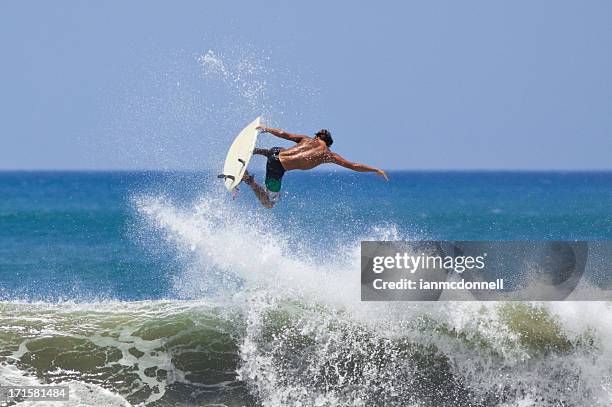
296 138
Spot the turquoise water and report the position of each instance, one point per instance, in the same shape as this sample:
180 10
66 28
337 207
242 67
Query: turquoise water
158 288
74 235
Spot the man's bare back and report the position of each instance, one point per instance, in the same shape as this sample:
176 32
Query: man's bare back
308 153
305 155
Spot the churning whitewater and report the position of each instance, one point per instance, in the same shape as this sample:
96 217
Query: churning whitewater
281 325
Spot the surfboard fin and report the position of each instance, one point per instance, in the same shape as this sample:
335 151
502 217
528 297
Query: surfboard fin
223 176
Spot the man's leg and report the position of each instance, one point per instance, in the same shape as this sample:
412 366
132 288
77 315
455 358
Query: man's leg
260 192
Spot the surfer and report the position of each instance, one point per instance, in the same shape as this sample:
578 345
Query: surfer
308 153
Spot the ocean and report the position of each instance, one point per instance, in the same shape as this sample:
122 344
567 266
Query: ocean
159 289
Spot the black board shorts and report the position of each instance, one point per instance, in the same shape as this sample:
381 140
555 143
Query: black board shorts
274 170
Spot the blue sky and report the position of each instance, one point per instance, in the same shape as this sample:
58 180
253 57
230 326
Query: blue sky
401 85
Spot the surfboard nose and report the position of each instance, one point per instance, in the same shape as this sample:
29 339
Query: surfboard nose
239 155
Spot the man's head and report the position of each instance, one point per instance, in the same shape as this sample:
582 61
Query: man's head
325 135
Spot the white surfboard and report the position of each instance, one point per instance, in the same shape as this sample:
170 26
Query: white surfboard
239 155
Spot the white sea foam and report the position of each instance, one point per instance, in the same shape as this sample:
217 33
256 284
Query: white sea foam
483 342
80 394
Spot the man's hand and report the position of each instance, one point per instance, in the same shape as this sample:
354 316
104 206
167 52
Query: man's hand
296 138
382 174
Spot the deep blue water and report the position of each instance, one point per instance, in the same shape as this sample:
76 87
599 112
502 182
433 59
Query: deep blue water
77 235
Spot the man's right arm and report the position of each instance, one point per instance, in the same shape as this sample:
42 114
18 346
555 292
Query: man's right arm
343 162
296 138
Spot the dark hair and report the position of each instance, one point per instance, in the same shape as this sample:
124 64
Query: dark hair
325 135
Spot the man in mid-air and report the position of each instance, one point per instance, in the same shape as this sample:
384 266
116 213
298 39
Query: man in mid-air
308 153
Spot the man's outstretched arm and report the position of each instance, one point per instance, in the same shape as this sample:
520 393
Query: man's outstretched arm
341 161
282 134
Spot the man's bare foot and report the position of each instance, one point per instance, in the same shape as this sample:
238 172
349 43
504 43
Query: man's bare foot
247 178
